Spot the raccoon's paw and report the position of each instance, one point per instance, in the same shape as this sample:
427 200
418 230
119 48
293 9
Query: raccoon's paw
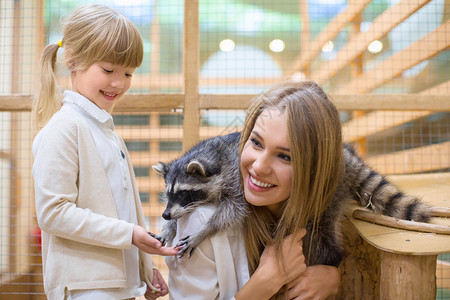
159 237
188 247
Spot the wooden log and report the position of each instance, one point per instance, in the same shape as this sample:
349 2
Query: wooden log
407 276
440 211
360 268
396 223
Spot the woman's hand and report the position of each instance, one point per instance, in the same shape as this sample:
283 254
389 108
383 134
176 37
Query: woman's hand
146 243
271 273
159 283
317 283
290 266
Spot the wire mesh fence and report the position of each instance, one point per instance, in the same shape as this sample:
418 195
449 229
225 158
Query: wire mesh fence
354 47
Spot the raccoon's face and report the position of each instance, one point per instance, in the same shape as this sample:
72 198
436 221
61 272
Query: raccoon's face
187 186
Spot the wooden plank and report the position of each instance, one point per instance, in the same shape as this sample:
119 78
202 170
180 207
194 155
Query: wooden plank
378 121
155 102
158 81
440 89
329 33
148 102
225 101
191 70
421 159
344 102
15 102
128 103
428 46
381 26
305 38
165 133
391 102
372 217
5 155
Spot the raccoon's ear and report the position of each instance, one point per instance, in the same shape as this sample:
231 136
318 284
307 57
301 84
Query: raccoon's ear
195 167
160 168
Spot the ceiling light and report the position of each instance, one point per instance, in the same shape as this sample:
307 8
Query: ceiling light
227 45
277 45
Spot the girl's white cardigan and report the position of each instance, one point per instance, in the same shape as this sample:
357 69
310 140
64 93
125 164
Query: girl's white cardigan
82 237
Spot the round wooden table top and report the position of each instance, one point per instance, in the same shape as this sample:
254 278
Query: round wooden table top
434 189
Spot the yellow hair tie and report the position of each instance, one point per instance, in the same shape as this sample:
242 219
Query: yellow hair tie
60 43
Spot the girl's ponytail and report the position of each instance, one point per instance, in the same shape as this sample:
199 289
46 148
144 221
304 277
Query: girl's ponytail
46 100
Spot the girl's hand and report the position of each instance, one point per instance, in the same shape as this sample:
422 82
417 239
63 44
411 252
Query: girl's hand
158 282
317 283
148 244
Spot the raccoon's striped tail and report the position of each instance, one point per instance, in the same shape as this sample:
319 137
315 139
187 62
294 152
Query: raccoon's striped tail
375 192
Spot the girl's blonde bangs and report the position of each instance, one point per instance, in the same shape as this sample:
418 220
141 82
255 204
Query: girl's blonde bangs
122 46
106 36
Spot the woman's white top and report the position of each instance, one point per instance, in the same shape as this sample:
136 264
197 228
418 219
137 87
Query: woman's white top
218 268
108 145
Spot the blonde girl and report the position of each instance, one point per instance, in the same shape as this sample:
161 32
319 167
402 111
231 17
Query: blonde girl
95 245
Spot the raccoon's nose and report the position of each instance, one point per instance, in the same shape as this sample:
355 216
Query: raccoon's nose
166 215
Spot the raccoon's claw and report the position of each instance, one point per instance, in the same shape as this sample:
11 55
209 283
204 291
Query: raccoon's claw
187 247
184 250
158 237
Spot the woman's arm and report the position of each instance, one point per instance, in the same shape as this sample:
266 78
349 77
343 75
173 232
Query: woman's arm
270 275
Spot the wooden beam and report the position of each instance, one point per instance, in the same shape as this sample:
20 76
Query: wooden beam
440 89
148 102
378 121
421 159
155 102
392 102
191 65
380 219
15 102
381 26
329 33
305 38
225 101
175 81
166 133
344 102
432 44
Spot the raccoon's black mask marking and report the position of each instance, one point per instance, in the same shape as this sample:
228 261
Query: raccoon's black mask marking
183 199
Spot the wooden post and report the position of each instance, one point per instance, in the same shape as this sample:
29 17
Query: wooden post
305 34
191 65
360 268
407 276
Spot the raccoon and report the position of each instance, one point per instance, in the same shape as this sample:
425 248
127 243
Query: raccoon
209 173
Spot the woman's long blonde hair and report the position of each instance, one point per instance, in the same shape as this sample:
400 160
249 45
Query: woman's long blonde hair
317 164
92 33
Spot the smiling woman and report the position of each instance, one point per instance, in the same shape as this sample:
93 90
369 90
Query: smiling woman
266 163
291 163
